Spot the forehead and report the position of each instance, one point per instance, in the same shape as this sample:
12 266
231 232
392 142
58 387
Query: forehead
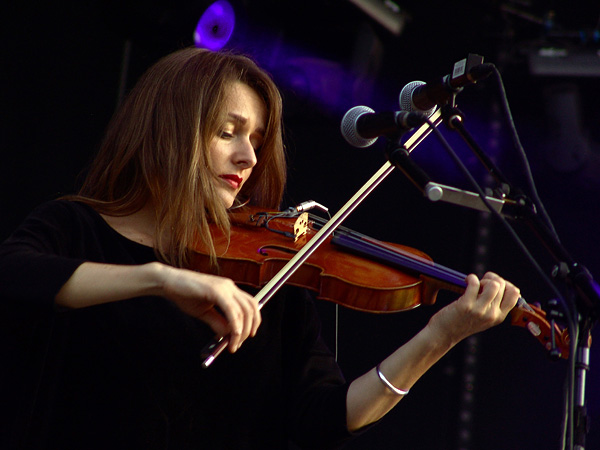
244 101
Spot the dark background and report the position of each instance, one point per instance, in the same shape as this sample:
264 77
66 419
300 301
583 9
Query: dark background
64 65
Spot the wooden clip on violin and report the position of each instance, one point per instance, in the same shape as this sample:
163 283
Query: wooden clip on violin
348 268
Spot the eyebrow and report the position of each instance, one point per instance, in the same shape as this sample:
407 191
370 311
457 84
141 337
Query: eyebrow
243 120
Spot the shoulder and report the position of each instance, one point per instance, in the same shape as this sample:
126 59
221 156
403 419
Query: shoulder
54 224
75 230
55 211
64 207
69 216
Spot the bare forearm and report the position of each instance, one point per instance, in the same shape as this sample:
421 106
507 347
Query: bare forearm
484 304
369 399
95 283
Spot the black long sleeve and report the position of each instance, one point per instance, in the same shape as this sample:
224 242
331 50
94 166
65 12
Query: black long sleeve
128 374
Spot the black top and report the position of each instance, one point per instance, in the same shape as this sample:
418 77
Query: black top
128 374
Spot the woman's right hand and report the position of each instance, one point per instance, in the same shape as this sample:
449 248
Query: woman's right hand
215 300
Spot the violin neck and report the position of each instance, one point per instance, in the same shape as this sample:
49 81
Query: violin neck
394 257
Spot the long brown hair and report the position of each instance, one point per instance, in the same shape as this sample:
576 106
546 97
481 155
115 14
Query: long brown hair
156 149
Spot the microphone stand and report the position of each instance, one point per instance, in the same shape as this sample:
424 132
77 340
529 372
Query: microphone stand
585 291
577 276
583 288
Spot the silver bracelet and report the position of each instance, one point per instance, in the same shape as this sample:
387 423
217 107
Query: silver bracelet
389 385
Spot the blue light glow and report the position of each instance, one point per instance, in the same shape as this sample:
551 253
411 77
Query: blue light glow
215 26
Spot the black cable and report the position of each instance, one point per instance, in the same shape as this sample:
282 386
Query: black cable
521 152
572 324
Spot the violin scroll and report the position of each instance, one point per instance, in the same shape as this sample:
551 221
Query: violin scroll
533 318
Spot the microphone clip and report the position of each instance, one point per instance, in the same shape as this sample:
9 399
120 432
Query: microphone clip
466 71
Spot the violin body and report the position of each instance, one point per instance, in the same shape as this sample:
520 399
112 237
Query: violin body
253 254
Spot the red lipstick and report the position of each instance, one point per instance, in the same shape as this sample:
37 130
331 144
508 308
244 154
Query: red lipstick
233 180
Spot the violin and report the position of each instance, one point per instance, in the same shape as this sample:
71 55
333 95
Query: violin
348 268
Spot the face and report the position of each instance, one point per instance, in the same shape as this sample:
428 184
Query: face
233 151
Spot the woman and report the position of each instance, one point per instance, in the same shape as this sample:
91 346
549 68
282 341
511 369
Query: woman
111 320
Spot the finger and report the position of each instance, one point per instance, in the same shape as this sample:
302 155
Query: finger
494 286
256 316
491 276
511 295
234 317
473 287
256 323
247 317
242 314
508 294
491 292
216 322
252 317
499 284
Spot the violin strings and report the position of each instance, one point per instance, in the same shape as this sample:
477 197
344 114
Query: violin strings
392 253
401 257
426 267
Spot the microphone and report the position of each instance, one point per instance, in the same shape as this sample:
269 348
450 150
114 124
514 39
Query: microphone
425 97
361 126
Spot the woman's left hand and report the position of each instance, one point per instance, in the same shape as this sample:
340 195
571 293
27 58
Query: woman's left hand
484 304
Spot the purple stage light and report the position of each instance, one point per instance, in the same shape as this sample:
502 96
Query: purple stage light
215 26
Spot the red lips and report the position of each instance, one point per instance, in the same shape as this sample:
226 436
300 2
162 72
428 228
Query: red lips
232 179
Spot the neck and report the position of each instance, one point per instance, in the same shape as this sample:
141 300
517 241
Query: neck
138 227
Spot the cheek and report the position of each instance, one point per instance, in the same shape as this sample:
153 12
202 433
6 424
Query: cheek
212 149
215 154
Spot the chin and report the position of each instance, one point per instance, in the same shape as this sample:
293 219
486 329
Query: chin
228 200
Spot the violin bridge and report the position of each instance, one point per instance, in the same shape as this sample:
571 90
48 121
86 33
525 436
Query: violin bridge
300 226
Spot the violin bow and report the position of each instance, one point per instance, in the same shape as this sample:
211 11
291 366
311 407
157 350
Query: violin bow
216 346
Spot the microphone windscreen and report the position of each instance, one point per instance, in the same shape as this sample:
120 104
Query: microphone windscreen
348 127
406 98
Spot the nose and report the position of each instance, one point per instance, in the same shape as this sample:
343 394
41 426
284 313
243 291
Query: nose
245 156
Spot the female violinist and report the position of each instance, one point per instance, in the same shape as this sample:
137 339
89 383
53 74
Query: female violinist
105 319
